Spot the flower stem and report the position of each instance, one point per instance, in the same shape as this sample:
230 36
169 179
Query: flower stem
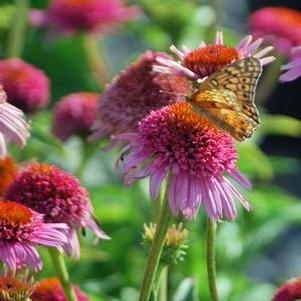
18 29
155 251
62 273
156 207
269 81
162 290
211 228
88 149
95 63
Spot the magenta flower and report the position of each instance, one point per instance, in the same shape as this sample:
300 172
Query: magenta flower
70 16
290 291
21 230
59 196
201 62
177 141
12 125
27 87
280 26
292 70
51 290
75 114
134 94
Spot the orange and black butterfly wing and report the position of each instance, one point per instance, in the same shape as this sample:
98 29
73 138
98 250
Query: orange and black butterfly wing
227 98
241 78
220 107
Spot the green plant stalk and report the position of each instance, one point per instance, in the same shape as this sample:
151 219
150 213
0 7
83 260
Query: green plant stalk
17 34
155 251
269 81
93 56
162 289
62 273
88 149
211 271
156 207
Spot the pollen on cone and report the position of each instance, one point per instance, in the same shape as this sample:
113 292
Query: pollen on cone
197 64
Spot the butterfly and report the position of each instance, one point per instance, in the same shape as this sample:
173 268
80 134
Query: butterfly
226 98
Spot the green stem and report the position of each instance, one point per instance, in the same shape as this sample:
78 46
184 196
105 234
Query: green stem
156 207
162 290
87 151
62 273
155 251
211 228
269 81
17 34
95 63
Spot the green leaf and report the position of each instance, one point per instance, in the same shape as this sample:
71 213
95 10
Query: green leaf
280 125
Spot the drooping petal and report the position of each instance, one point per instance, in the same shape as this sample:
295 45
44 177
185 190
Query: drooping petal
155 182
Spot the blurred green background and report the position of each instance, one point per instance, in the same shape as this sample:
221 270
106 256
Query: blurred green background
255 253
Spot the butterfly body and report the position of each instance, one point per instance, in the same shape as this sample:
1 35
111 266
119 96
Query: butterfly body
226 98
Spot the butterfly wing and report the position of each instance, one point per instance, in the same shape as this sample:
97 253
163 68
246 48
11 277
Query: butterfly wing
221 108
233 90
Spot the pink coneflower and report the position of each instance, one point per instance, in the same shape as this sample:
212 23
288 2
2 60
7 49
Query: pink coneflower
51 290
177 141
12 125
201 62
14 289
75 114
280 26
292 70
70 16
290 291
134 94
26 86
59 196
21 230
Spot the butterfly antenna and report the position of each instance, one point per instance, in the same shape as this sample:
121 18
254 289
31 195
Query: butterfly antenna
173 93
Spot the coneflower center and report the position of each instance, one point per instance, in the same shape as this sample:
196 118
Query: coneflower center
11 284
13 218
47 285
208 59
